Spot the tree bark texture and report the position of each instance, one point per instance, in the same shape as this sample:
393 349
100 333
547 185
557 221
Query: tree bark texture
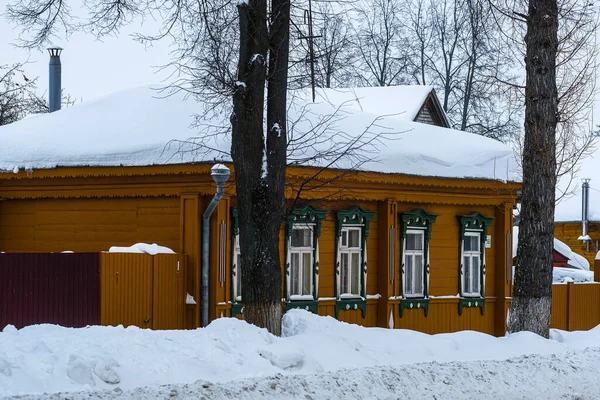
260 185
532 296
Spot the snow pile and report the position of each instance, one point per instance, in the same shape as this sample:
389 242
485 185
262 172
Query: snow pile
565 275
135 128
316 355
152 249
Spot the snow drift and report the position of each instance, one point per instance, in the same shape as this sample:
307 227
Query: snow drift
316 356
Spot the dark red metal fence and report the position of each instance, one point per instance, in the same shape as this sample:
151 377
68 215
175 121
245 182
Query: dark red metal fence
54 288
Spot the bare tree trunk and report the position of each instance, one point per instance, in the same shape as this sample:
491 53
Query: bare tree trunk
259 227
532 297
260 165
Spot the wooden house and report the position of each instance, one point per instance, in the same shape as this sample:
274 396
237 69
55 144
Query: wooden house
418 238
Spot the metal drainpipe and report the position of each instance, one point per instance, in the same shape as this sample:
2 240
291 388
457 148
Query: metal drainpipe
220 174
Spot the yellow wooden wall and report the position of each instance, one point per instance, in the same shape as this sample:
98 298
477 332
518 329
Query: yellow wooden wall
568 232
87 225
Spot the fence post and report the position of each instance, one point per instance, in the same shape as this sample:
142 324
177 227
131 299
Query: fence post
596 270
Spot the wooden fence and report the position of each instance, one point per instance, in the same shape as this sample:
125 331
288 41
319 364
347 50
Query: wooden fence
79 289
143 290
575 306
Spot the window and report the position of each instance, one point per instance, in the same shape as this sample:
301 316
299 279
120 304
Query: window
413 263
473 232
236 271
414 269
301 262
302 258
350 256
351 259
471 254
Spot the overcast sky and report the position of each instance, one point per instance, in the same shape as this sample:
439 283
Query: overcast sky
90 68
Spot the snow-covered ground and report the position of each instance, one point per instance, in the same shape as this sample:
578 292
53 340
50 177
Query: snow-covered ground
316 358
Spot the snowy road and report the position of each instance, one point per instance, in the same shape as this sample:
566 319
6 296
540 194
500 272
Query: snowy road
529 377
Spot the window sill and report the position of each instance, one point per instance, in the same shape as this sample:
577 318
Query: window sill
471 302
308 305
358 303
412 303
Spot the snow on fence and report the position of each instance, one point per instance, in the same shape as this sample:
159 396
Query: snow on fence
79 289
576 306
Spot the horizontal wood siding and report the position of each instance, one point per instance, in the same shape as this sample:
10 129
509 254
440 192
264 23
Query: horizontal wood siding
61 289
88 225
443 317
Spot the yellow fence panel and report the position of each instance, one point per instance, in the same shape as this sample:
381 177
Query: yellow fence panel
560 307
584 306
126 289
169 291
143 290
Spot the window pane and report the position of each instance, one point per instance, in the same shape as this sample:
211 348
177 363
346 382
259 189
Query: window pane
414 241
306 272
301 237
355 272
344 238
418 278
307 237
471 243
467 274
344 274
354 238
475 274
238 275
408 274
295 274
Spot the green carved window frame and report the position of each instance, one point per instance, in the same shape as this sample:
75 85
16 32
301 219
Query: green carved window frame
353 218
469 225
235 287
312 217
416 221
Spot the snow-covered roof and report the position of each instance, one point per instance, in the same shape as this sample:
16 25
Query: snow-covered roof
569 209
403 102
139 127
574 260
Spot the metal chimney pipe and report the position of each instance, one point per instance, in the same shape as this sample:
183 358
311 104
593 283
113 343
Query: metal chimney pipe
55 71
585 208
